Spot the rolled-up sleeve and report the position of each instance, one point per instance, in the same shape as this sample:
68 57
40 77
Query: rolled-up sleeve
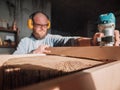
63 41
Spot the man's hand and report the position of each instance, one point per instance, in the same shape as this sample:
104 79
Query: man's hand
99 35
117 38
41 49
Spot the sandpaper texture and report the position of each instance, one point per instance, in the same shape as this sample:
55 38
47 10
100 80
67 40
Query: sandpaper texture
24 71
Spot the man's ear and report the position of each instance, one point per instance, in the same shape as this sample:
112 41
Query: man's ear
30 24
49 25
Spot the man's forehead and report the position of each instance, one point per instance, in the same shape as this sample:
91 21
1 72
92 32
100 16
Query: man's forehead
40 15
40 18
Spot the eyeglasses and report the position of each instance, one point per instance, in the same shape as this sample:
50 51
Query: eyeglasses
40 25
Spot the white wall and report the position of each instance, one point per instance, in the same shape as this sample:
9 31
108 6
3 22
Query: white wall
23 10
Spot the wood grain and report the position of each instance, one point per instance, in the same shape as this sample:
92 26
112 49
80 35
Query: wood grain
95 52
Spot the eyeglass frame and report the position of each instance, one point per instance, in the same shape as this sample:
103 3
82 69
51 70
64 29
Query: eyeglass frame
40 25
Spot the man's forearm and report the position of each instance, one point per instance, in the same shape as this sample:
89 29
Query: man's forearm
83 42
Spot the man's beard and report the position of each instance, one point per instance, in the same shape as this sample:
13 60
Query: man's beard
38 36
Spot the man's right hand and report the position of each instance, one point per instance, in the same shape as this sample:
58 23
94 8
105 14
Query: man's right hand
99 35
41 49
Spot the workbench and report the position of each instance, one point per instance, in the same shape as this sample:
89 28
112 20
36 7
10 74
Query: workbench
62 71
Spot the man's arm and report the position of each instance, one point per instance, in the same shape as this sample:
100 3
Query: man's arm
83 41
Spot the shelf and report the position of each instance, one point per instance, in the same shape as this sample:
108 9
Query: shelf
8 46
8 30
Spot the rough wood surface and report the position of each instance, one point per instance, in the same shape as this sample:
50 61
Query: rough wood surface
95 52
103 77
66 64
4 58
24 71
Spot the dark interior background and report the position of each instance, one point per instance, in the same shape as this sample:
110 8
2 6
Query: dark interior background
72 17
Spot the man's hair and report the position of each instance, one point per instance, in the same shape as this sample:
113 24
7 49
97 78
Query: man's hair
33 14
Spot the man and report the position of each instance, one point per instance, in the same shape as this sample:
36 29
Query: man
40 40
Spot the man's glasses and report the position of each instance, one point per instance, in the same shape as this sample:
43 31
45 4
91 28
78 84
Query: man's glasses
40 25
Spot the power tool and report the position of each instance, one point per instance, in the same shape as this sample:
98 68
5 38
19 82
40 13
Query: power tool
106 25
